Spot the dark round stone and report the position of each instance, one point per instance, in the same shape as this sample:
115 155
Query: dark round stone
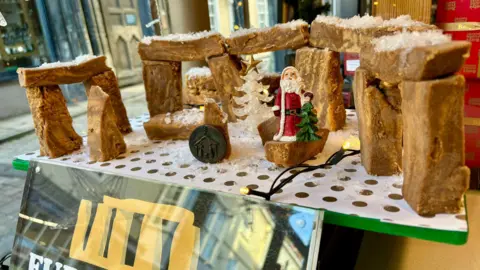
208 144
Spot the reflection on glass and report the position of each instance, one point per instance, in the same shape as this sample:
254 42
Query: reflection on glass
90 219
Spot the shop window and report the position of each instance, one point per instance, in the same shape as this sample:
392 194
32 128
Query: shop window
21 43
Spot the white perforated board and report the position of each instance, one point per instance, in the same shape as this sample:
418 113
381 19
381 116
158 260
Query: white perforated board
344 188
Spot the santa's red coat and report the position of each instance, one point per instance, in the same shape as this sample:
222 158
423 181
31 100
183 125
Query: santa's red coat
292 102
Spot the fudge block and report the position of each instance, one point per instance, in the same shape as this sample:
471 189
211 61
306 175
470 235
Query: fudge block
284 36
78 70
214 116
287 154
350 35
434 171
417 63
105 140
163 86
379 123
199 85
181 47
107 81
52 121
226 75
320 71
173 126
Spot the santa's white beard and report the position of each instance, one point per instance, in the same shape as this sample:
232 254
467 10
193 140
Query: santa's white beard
290 86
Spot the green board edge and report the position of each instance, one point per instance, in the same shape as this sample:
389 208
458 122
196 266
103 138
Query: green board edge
20 165
367 224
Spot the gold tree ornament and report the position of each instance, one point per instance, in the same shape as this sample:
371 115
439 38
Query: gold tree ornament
249 65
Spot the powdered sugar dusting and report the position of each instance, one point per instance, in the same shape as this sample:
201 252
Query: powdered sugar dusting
404 21
180 37
292 25
368 21
198 72
185 117
407 40
77 61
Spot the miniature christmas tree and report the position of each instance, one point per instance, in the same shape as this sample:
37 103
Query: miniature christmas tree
252 105
308 127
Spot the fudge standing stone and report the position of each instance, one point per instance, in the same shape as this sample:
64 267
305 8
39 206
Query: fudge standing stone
213 116
434 172
320 71
53 123
226 74
104 138
107 81
380 125
163 86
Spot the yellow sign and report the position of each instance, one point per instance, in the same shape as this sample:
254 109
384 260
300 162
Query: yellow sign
185 243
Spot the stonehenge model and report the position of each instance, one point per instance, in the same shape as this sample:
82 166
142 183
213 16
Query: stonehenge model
53 123
408 99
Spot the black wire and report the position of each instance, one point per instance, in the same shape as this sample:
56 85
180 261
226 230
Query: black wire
308 168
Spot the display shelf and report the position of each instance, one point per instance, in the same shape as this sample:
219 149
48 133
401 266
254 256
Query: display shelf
349 196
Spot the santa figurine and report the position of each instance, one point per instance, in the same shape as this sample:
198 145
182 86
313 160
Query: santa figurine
288 104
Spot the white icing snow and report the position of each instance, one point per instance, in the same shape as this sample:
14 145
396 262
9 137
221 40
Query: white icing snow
404 21
246 31
368 21
198 72
357 21
180 37
407 40
77 61
185 117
